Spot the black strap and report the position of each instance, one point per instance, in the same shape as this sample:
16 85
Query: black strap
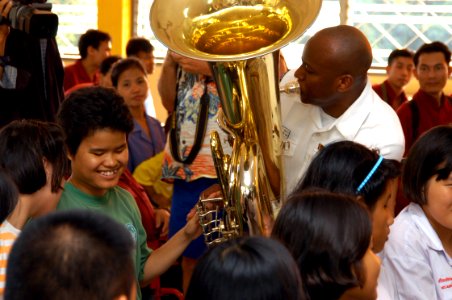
414 120
201 126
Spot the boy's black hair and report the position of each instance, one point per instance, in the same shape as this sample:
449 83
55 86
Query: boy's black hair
432 48
91 38
8 195
77 254
399 53
93 108
248 268
137 45
24 145
107 63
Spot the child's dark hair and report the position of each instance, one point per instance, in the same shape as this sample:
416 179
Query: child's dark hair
328 234
24 145
124 65
8 195
430 155
75 254
89 109
248 268
107 63
138 44
342 166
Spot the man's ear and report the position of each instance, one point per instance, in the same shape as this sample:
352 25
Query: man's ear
90 50
344 82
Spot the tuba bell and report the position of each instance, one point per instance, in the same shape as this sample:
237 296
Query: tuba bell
240 39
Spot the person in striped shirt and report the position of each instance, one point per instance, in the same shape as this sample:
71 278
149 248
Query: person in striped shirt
33 154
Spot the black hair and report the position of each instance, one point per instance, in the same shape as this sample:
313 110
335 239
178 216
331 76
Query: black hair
138 44
124 65
8 195
328 234
89 109
24 145
430 155
399 53
77 254
342 166
431 48
91 38
107 63
248 268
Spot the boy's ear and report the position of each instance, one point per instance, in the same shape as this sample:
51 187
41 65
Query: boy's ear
47 168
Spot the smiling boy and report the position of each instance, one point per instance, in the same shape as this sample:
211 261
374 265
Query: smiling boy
96 122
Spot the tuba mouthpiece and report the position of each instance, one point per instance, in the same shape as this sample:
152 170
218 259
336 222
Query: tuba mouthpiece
291 87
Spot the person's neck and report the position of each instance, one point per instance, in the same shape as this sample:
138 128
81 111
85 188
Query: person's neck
397 89
21 213
138 112
89 67
437 95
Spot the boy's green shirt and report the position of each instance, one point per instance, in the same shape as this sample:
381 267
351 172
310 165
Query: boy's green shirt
118 204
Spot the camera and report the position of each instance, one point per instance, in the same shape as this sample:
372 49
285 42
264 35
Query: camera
33 17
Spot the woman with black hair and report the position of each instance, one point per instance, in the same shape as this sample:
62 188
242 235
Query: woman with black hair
331 245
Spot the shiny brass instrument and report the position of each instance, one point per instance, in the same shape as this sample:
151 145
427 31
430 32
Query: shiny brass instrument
239 38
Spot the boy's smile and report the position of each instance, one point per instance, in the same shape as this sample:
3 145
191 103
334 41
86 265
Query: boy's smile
99 161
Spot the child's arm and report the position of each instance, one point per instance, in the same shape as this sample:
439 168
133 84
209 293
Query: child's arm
161 259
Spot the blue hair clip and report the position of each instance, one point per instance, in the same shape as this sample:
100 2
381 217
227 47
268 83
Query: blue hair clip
375 167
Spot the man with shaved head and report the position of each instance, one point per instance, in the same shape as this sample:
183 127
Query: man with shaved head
336 102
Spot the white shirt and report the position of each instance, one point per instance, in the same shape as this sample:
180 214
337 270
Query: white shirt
369 121
415 260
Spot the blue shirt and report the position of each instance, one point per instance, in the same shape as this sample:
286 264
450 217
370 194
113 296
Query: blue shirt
143 147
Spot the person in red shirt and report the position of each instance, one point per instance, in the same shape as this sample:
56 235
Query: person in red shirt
430 106
94 46
399 70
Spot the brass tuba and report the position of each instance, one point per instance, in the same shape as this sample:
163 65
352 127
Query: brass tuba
239 38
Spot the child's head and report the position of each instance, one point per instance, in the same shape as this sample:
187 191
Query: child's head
71 255
96 122
34 155
251 268
142 49
427 175
329 236
342 167
128 76
105 70
8 195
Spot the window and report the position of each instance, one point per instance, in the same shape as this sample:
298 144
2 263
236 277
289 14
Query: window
388 24
75 18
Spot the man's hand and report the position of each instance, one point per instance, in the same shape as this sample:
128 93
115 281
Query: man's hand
191 65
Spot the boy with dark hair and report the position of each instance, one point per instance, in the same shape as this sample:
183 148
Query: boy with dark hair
33 154
72 255
430 106
399 70
97 121
142 49
94 46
